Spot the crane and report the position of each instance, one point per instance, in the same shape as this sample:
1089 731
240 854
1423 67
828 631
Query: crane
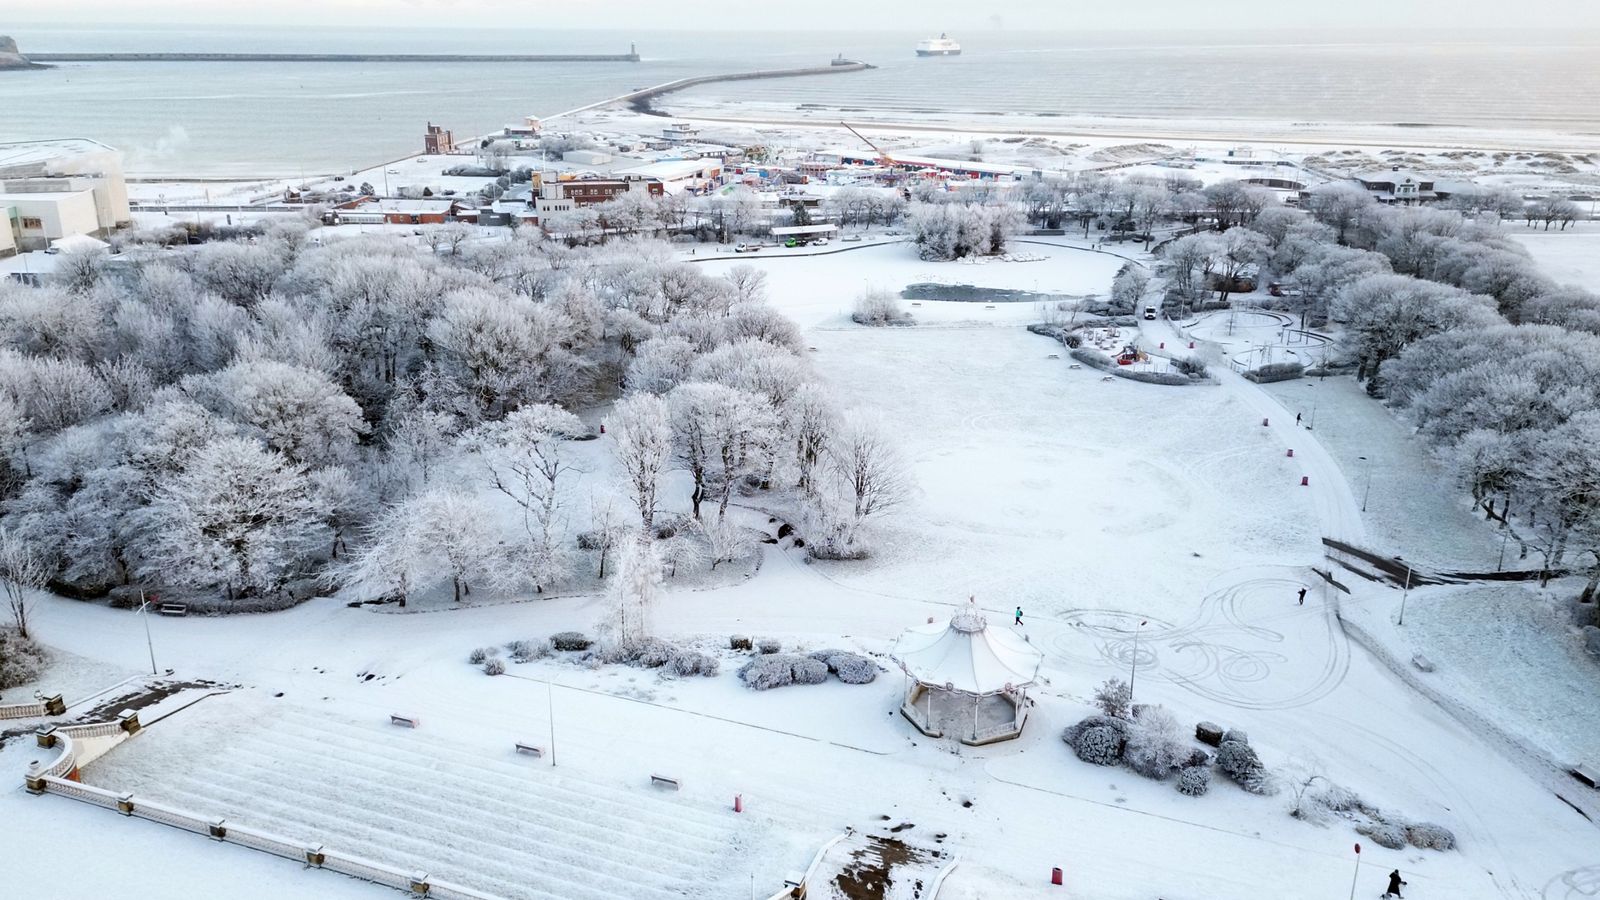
883 158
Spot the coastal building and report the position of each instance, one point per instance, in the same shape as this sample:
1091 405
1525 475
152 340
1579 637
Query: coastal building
436 140
1398 186
552 195
678 173
56 189
680 132
586 157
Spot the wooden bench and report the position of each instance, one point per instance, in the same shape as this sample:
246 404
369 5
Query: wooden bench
664 781
173 609
530 748
407 721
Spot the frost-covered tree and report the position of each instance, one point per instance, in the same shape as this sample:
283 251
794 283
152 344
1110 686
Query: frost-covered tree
296 411
525 455
660 364
237 516
877 306
641 431
1341 207
720 434
25 568
1114 698
866 477
812 421
440 535
1382 314
632 593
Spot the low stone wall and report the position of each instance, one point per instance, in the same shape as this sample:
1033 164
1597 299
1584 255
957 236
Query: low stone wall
52 705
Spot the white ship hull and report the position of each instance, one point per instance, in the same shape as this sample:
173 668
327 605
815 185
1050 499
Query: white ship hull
955 52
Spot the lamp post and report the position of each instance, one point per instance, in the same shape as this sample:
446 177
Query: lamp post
144 609
1357 875
1368 492
1505 536
550 703
1315 396
1133 665
1404 592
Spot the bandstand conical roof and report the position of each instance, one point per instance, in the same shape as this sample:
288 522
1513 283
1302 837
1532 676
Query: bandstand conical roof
966 655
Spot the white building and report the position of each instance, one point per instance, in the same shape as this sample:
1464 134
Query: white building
677 173
55 189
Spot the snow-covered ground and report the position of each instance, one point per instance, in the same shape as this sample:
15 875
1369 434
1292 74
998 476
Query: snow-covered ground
1570 257
1093 505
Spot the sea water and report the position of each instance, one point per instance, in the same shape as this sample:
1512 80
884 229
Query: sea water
246 119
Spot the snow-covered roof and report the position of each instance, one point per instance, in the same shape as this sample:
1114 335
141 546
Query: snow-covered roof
673 169
78 242
964 654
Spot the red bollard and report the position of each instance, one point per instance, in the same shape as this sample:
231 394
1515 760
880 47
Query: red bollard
738 803
1305 480
1191 345
1162 346
1055 875
602 428
1263 423
1291 451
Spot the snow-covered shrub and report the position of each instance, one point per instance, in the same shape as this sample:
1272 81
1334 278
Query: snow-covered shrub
852 668
528 651
650 652
494 665
740 642
1383 834
1337 798
780 669
477 656
570 640
1100 744
766 672
1194 781
1156 745
1235 734
1071 732
1197 757
809 671
692 662
21 660
1113 698
879 307
1428 836
1239 761
1284 371
656 653
1190 366
770 645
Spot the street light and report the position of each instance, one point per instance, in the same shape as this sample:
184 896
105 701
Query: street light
1405 592
1133 670
144 608
1368 492
1315 396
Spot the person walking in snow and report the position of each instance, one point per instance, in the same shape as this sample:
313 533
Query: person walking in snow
1019 616
1302 595
1297 419
1394 885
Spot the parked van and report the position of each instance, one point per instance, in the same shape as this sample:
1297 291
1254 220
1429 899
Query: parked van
1150 313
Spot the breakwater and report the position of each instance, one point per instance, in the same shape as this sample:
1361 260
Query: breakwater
335 57
640 99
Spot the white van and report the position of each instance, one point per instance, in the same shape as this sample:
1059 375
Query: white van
1150 313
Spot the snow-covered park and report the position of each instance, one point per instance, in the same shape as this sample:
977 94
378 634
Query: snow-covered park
1167 537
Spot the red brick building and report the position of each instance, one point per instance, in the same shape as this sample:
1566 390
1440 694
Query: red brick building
437 140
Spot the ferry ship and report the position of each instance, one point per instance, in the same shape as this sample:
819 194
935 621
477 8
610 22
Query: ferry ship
939 46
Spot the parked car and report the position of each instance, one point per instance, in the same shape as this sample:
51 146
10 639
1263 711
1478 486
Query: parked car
745 248
851 238
820 242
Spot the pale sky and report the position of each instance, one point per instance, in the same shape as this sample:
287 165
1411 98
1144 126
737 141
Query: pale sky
828 15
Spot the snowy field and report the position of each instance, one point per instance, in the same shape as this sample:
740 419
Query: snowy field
1096 506
1570 257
